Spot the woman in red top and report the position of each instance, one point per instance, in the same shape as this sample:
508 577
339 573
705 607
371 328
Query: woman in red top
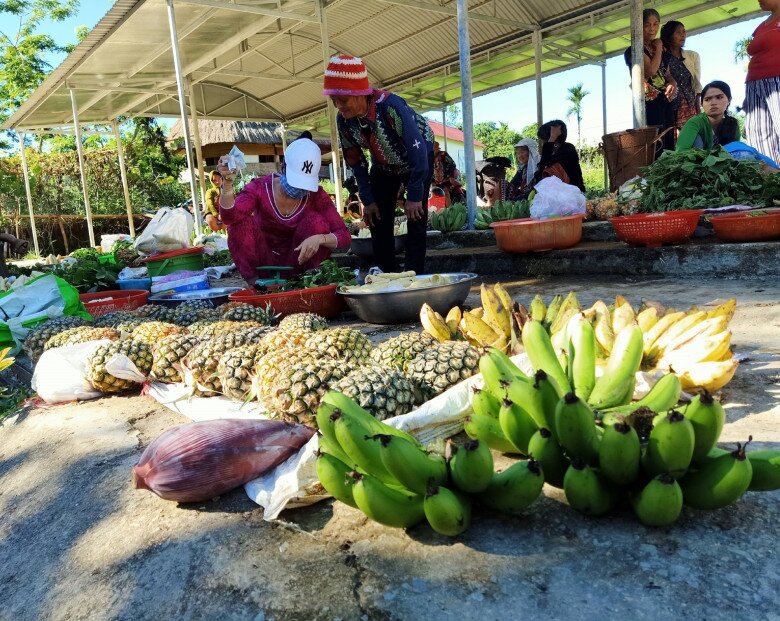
762 89
284 220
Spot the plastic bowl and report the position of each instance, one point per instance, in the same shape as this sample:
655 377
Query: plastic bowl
103 302
656 229
530 235
751 226
320 300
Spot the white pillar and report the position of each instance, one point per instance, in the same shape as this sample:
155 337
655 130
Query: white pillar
537 38
464 52
444 124
25 171
185 127
123 173
198 148
604 116
80 151
637 64
283 131
334 134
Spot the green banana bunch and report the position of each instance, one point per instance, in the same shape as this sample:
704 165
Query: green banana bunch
447 512
505 380
586 492
543 448
660 501
471 466
483 219
707 417
409 465
552 310
332 448
541 354
386 505
517 424
619 453
484 402
356 440
670 447
719 481
514 489
550 398
570 306
616 385
663 396
488 430
582 359
538 309
436 222
576 430
766 470
335 478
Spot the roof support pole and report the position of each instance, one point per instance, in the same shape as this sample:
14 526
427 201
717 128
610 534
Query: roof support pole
185 126
464 53
283 131
123 173
334 134
26 173
82 169
604 116
444 125
198 148
537 39
637 64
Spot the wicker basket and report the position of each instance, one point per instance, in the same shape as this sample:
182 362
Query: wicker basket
656 229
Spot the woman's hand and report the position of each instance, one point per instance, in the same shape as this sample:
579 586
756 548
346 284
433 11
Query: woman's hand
228 176
413 210
555 133
657 46
671 87
371 214
309 247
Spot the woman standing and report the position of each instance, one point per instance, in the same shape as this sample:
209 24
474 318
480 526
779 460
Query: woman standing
685 67
762 89
660 85
401 147
714 126
527 160
211 210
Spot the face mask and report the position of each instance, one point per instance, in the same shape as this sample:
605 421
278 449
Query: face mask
291 191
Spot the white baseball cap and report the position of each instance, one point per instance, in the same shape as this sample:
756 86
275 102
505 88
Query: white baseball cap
302 160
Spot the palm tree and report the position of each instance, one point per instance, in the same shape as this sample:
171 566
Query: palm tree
576 94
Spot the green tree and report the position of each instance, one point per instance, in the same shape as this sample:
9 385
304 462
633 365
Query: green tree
530 131
740 49
498 138
453 116
576 94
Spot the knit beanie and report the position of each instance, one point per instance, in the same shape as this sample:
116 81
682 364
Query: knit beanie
346 75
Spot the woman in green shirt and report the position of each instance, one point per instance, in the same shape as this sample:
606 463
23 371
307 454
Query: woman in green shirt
713 126
211 210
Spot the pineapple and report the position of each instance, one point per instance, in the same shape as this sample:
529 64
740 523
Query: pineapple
398 351
383 392
36 339
303 321
153 331
217 328
235 369
255 335
199 366
168 355
128 326
298 389
265 316
139 353
444 365
81 334
223 308
342 343
112 320
193 305
287 339
269 366
157 312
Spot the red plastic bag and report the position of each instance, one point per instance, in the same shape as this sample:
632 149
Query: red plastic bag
199 461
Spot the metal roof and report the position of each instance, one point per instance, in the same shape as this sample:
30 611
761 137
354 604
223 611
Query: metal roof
262 60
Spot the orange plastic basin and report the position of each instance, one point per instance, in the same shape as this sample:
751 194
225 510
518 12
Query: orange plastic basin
530 235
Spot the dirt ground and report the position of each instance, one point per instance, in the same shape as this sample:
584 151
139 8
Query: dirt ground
76 542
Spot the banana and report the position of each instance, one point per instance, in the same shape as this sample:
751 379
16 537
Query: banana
569 306
699 349
622 316
602 327
506 300
647 318
537 308
586 492
517 424
514 489
386 505
663 396
661 326
434 324
473 326
453 318
550 397
448 513
709 376
484 402
670 447
502 377
724 310
676 330
332 448
707 418
471 466
355 439
766 470
477 312
488 430
495 316
333 474
543 448
552 310
719 481
541 354
619 454
660 502
582 359
409 465
575 429
707 327
615 386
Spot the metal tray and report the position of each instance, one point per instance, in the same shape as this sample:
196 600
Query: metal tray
392 307
215 297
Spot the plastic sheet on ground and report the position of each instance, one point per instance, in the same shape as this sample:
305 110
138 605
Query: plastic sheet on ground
61 373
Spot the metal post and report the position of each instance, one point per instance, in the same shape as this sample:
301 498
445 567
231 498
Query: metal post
464 52
80 151
334 134
444 124
198 147
283 131
123 173
537 38
26 173
637 64
185 127
604 117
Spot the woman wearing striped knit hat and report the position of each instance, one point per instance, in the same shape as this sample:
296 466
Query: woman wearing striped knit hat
401 147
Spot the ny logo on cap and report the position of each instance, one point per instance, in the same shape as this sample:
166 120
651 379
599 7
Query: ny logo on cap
307 166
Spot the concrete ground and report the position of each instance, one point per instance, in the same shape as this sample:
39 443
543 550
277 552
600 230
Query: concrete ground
77 542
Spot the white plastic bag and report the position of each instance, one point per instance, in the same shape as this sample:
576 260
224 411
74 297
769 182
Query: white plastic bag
170 229
556 198
61 373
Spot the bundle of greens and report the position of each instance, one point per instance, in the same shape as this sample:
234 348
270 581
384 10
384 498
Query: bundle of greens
88 274
219 258
327 273
698 179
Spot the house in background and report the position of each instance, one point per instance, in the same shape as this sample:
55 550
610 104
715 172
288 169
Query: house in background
455 144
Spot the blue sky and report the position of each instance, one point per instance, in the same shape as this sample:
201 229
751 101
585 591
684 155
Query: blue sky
516 106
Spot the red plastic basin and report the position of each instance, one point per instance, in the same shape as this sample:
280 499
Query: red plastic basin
747 226
320 300
656 229
103 302
530 235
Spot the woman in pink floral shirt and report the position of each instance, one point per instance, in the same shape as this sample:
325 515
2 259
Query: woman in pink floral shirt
284 220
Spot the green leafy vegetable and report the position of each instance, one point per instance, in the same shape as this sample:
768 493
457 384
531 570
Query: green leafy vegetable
328 273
